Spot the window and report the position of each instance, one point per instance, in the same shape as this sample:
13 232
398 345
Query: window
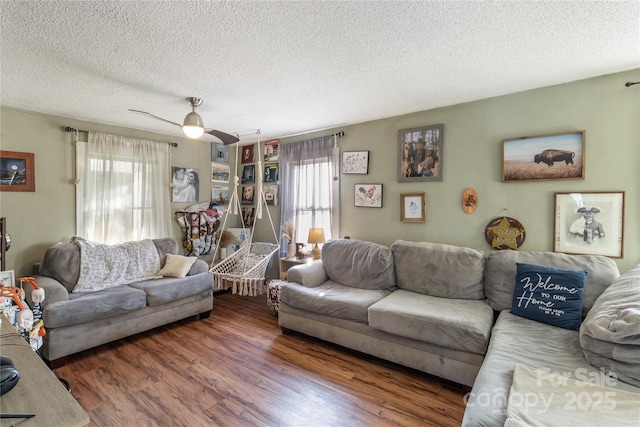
312 206
123 189
309 191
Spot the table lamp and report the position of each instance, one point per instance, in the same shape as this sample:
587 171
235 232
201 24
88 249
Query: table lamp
316 235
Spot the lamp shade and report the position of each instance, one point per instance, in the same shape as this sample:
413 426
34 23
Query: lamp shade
316 235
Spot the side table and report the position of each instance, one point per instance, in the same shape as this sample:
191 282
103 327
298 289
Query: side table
287 263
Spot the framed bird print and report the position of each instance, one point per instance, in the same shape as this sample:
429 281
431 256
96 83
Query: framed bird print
368 195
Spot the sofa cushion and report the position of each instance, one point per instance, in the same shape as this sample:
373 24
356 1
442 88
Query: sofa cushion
200 266
610 334
500 274
87 307
359 264
549 295
451 323
62 262
332 299
168 289
439 270
177 266
514 340
540 398
165 246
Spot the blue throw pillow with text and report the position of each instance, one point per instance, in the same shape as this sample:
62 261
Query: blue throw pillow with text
549 295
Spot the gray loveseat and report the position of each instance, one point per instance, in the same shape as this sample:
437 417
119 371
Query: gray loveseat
446 310
77 318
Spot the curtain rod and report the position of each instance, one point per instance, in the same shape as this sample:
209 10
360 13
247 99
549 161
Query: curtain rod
70 129
338 134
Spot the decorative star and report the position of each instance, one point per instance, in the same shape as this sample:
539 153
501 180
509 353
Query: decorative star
505 235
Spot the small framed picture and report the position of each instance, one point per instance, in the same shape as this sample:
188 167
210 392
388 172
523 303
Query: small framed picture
248 194
368 195
249 174
271 150
271 173
248 216
543 157
355 162
7 278
219 152
17 171
220 195
220 172
271 195
420 153
412 207
247 154
589 223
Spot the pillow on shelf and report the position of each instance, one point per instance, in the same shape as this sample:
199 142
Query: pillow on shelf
177 266
549 295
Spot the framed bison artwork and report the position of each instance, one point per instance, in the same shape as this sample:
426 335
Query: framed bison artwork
543 157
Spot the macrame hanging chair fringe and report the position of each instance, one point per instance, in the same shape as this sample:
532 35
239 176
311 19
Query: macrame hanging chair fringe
244 270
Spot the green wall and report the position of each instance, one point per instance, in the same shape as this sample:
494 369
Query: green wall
38 220
608 111
603 107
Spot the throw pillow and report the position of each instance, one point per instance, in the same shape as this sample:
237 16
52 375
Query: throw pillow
177 266
549 295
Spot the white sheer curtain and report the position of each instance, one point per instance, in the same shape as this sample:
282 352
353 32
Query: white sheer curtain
307 188
123 189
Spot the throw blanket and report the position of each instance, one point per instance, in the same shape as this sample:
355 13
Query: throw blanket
539 398
610 334
105 266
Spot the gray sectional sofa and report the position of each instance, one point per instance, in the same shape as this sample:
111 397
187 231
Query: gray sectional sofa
160 287
446 310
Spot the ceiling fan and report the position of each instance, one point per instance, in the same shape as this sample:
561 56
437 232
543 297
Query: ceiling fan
193 126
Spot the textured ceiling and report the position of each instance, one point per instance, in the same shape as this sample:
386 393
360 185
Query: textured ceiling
293 67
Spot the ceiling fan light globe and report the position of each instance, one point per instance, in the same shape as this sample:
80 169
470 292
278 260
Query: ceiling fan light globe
193 125
193 131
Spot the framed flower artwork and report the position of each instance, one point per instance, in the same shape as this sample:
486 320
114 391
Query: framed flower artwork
355 162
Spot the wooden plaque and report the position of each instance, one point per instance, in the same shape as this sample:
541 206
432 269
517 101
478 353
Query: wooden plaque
469 200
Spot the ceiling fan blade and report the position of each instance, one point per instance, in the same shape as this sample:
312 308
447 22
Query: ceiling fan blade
155 117
224 137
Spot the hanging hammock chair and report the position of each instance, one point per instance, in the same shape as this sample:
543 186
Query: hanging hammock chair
244 270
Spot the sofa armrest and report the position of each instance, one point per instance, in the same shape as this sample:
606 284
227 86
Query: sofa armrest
54 291
309 275
198 267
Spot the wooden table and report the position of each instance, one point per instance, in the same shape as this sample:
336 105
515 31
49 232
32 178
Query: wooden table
287 263
39 391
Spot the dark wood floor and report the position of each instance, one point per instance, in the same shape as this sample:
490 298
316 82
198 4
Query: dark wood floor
237 369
